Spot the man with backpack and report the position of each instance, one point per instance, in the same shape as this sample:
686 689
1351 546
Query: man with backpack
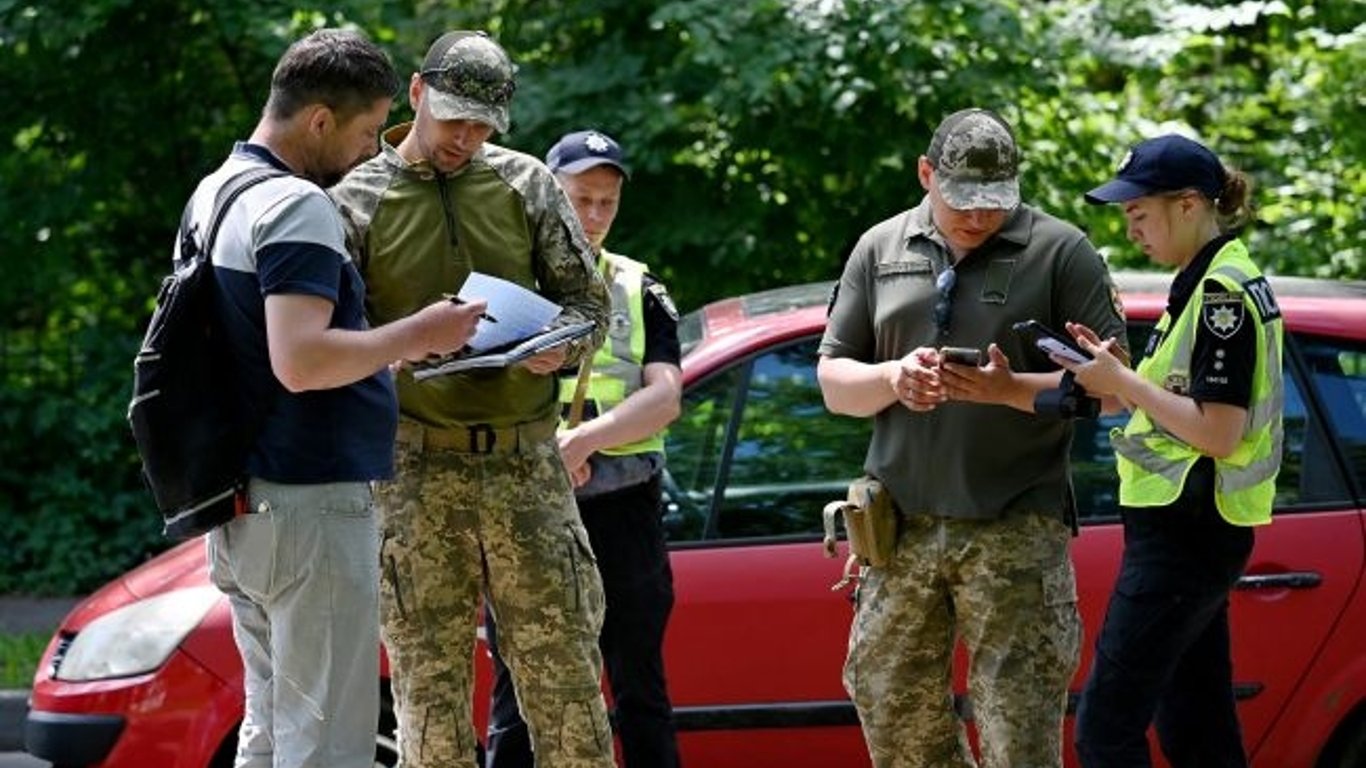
301 566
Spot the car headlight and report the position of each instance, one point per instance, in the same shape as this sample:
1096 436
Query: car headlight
136 638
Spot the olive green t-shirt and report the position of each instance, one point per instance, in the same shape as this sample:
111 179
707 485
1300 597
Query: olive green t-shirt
969 460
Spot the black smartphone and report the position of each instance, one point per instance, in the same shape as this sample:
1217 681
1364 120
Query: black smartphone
961 356
1050 342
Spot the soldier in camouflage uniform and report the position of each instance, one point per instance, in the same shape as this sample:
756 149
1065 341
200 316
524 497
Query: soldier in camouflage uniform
980 480
482 502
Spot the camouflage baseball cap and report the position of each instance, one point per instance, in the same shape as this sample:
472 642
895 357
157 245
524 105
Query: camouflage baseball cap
469 77
976 161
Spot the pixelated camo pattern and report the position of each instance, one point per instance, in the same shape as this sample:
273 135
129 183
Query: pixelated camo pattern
1007 589
477 68
980 147
454 525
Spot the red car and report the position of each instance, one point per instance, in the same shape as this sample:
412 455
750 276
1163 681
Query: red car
144 672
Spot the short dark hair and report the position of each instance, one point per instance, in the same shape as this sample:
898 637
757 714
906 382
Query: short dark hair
338 68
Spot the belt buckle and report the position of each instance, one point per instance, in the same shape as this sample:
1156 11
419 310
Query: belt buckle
482 438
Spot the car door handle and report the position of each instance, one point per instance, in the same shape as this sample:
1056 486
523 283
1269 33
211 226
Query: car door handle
1293 580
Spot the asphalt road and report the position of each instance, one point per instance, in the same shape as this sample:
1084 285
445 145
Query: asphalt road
21 760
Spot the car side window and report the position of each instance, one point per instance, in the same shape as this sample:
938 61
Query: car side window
1337 370
759 430
791 455
1309 476
1095 481
694 446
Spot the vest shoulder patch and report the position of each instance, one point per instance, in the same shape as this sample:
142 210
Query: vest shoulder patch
1263 299
661 295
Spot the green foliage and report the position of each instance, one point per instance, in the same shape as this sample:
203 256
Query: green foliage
1275 88
19 657
765 136
113 129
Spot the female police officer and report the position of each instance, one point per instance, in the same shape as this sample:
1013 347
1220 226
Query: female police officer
1197 464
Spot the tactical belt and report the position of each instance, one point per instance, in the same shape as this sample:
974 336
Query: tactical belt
476 438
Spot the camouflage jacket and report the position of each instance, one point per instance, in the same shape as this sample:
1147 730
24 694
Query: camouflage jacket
416 234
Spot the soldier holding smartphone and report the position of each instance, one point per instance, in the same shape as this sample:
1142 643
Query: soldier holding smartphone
980 480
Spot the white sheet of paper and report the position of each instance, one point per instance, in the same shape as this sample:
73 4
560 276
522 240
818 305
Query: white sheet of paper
520 313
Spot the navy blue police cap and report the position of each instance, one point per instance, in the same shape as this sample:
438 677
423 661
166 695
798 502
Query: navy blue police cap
1167 163
578 151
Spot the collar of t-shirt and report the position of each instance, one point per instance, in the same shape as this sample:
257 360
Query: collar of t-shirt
1183 286
261 153
920 224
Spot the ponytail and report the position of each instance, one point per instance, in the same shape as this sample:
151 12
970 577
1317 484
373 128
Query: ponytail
1234 204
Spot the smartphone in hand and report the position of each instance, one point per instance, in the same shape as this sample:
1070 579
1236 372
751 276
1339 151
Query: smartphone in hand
1050 342
961 356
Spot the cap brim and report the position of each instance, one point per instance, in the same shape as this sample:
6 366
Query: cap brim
1116 191
445 106
972 194
584 163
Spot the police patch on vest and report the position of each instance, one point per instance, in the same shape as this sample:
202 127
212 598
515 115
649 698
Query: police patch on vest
661 295
1223 313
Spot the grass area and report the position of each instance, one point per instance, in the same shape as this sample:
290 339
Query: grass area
19 656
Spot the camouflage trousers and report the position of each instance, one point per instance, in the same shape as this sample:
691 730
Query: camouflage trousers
457 526
1006 588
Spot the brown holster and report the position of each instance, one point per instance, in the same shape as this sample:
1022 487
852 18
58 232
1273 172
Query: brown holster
870 522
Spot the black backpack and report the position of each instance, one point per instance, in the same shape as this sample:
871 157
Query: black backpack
192 439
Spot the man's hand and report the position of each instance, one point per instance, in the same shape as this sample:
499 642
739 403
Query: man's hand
442 328
575 450
916 381
547 362
580 477
991 383
575 447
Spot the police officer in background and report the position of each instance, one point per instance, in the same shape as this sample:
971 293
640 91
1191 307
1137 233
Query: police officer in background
482 503
979 478
1197 465
615 456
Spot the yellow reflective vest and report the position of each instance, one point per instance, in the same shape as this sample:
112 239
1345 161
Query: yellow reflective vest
1153 463
618 365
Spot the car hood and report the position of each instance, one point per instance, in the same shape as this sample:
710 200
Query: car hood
184 565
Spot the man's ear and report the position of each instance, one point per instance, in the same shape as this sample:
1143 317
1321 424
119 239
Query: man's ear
320 119
925 170
415 91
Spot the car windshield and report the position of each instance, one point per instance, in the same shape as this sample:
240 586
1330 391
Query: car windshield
692 327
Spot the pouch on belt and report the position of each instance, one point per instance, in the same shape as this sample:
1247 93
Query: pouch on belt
870 522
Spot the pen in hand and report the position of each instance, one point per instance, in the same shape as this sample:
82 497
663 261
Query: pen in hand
452 298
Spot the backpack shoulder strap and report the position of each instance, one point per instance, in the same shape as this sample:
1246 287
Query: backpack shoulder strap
227 195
